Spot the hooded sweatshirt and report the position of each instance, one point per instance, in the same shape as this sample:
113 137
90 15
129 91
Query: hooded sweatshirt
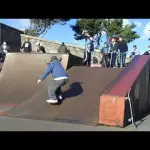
57 71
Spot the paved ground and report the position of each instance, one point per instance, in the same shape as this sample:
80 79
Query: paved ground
17 124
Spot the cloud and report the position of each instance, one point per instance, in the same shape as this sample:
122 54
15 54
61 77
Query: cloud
146 33
129 21
126 22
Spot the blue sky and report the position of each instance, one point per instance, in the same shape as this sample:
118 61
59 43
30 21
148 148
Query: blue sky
65 34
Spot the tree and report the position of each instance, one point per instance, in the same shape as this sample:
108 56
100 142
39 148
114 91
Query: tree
41 26
110 26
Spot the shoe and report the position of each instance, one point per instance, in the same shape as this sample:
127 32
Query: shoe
60 97
52 101
115 67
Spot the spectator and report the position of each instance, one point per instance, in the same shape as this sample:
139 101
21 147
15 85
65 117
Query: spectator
3 50
26 47
123 49
114 52
135 52
148 51
62 49
105 53
89 48
40 48
4 47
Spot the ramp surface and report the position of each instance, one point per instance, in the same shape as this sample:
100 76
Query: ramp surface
82 93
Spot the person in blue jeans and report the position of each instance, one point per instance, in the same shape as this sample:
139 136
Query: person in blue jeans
114 52
123 48
105 55
60 78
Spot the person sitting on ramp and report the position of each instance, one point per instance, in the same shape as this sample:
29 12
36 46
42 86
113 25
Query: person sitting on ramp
60 78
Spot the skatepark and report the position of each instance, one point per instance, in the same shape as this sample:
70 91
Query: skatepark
91 102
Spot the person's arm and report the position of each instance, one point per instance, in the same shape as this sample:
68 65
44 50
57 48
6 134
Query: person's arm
46 73
8 48
126 46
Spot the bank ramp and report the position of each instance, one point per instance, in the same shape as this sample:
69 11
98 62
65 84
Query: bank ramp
90 95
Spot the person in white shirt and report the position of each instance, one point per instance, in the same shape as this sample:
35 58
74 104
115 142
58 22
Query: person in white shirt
4 48
135 52
26 47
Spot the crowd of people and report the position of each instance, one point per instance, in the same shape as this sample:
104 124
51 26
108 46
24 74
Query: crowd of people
113 54
26 47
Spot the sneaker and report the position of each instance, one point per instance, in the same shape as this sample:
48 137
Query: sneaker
52 101
60 97
115 67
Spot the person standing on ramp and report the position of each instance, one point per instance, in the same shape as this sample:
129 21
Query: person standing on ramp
27 46
89 48
60 78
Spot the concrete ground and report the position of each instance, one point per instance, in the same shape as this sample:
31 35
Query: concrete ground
19 124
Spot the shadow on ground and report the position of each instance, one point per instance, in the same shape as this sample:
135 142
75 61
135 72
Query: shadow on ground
75 89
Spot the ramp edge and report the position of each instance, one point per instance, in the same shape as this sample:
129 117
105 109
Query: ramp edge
112 102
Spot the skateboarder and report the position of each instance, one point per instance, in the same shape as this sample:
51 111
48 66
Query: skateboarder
60 78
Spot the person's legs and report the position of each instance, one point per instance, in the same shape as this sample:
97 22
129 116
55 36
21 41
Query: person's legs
113 59
118 59
85 57
110 59
104 61
59 93
107 60
55 88
92 59
89 58
123 59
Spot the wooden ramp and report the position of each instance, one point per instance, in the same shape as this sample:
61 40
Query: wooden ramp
92 96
